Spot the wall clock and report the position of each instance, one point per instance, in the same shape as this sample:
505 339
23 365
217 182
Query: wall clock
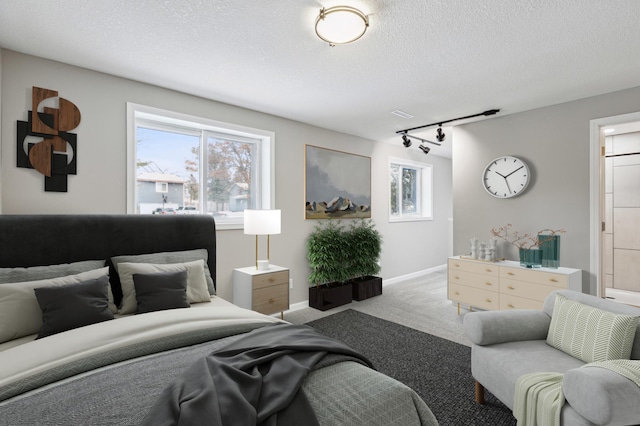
506 177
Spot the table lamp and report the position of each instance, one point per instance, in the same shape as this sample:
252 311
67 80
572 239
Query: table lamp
262 222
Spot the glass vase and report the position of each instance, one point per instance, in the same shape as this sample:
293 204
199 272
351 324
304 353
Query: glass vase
550 246
530 257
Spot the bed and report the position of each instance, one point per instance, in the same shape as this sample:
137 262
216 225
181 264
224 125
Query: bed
98 361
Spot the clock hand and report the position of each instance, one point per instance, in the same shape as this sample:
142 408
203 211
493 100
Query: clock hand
500 175
512 172
508 187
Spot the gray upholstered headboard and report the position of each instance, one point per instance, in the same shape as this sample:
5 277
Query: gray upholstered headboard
35 240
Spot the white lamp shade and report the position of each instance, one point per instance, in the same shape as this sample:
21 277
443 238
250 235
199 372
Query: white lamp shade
262 222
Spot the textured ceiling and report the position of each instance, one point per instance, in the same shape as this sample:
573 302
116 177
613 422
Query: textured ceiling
436 60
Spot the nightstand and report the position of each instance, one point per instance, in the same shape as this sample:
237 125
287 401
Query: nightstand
264 291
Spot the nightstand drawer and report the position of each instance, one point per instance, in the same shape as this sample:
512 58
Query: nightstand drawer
476 267
483 282
535 276
271 299
270 279
474 297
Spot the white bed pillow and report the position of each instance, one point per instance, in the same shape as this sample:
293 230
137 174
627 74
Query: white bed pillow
197 290
20 313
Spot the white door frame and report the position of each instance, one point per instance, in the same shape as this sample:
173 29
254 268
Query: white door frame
596 191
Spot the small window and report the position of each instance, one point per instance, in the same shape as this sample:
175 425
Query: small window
410 191
162 187
196 165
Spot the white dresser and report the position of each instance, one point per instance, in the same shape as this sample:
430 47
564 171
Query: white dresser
505 284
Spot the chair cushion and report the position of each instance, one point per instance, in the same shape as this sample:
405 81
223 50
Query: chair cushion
590 334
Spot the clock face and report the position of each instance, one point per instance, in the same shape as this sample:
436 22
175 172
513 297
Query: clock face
505 177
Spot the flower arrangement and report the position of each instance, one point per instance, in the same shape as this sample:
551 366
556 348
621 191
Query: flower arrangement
522 241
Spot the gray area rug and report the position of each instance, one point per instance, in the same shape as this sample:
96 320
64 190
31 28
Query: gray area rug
439 370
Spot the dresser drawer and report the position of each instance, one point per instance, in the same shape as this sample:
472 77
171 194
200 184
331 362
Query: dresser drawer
484 282
524 289
535 276
271 299
270 279
476 267
474 296
508 301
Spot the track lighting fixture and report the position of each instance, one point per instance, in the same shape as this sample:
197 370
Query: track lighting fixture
406 141
425 149
440 134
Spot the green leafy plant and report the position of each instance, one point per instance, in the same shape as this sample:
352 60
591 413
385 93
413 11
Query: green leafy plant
365 245
327 253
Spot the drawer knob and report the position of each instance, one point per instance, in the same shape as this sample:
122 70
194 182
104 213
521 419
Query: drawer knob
271 279
511 306
456 277
489 301
271 300
510 287
488 283
489 270
456 293
553 280
456 265
510 273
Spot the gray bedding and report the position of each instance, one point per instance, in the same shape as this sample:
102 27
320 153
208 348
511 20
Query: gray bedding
345 393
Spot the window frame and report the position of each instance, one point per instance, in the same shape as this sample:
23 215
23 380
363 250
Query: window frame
159 118
425 191
162 187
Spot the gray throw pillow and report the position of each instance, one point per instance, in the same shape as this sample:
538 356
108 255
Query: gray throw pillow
72 306
160 291
37 273
170 257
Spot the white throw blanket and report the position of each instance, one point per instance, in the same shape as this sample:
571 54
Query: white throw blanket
539 399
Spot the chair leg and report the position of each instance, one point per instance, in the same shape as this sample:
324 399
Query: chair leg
479 393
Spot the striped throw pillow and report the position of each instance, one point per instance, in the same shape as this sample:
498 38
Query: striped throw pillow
590 334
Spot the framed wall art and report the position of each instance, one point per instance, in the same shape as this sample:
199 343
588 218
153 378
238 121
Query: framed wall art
337 184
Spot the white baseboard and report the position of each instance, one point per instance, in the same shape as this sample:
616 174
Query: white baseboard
385 282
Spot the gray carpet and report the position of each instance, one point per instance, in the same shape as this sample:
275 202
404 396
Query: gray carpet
439 370
419 303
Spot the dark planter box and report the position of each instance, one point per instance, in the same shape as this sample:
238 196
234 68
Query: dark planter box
331 296
366 287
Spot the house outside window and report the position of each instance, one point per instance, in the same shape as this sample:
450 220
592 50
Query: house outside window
197 165
410 190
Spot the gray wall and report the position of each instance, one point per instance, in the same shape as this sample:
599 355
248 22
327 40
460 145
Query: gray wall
100 185
555 143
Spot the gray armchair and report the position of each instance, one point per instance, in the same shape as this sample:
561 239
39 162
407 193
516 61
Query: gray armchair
508 344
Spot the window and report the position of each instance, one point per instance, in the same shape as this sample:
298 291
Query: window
162 187
410 190
190 163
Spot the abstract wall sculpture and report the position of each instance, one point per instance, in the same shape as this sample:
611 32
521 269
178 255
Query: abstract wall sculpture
44 142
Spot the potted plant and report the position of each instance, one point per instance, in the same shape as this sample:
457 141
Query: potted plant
327 254
365 244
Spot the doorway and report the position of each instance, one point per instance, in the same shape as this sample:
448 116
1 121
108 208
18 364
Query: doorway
615 207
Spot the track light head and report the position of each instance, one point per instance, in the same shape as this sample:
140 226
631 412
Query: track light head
406 141
440 136
425 149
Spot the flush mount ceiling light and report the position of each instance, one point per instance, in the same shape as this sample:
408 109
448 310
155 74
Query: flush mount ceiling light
341 24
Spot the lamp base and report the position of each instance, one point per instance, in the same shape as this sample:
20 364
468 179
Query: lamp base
263 265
